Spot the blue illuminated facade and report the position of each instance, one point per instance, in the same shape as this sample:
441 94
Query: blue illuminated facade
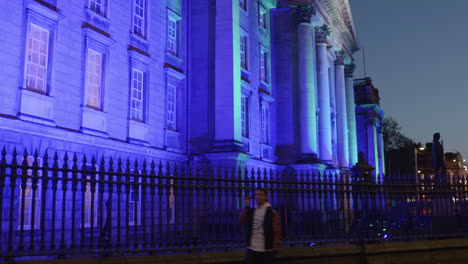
259 83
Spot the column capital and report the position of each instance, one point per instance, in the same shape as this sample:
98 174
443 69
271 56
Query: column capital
304 12
349 70
321 33
340 57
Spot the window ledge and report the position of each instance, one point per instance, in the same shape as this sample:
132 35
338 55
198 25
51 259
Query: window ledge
245 74
263 31
97 20
246 12
138 131
173 141
139 42
94 121
174 59
266 86
36 107
246 144
266 152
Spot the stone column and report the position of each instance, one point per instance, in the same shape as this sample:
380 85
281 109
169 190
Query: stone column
227 90
380 143
341 116
325 132
306 82
351 114
372 150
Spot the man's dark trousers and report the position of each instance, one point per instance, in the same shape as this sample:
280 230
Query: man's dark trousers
254 257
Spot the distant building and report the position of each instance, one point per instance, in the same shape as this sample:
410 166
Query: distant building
455 165
417 160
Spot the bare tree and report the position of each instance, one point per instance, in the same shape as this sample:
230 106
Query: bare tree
393 137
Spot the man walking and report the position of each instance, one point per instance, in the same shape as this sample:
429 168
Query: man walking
263 229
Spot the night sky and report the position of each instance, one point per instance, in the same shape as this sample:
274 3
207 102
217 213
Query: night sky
417 56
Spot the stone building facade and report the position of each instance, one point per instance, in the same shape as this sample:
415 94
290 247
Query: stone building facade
229 82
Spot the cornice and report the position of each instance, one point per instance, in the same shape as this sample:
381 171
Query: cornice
337 13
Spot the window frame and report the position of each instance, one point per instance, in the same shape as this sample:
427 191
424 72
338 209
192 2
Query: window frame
176 19
144 18
143 94
263 16
171 124
244 6
104 5
131 202
103 66
245 116
265 116
264 64
27 61
244 50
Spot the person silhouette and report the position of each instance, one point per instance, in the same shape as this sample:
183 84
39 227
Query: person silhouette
438 159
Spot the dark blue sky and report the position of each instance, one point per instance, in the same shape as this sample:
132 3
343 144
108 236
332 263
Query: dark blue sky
417 56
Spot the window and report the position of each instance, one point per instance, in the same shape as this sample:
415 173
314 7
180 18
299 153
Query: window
137 95
134 205
98 6
172 202
139 18
90 209
245 116
94 67
243 4
262 17
37 58
90 205
244 51
31 222
171 107
264 58
172 32
265 125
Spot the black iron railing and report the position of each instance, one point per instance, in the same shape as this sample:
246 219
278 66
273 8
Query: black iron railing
74 206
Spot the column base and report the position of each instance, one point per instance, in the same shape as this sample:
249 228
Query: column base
318 167
228 146
230 160
309 158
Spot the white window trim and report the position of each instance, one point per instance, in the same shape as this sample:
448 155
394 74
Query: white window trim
244 33
247 115
261 8
144 26
102 66
94 121
34 106
171 15
265 124
246 4
105 6
171 124
142 101
263 51
46 79
101 44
